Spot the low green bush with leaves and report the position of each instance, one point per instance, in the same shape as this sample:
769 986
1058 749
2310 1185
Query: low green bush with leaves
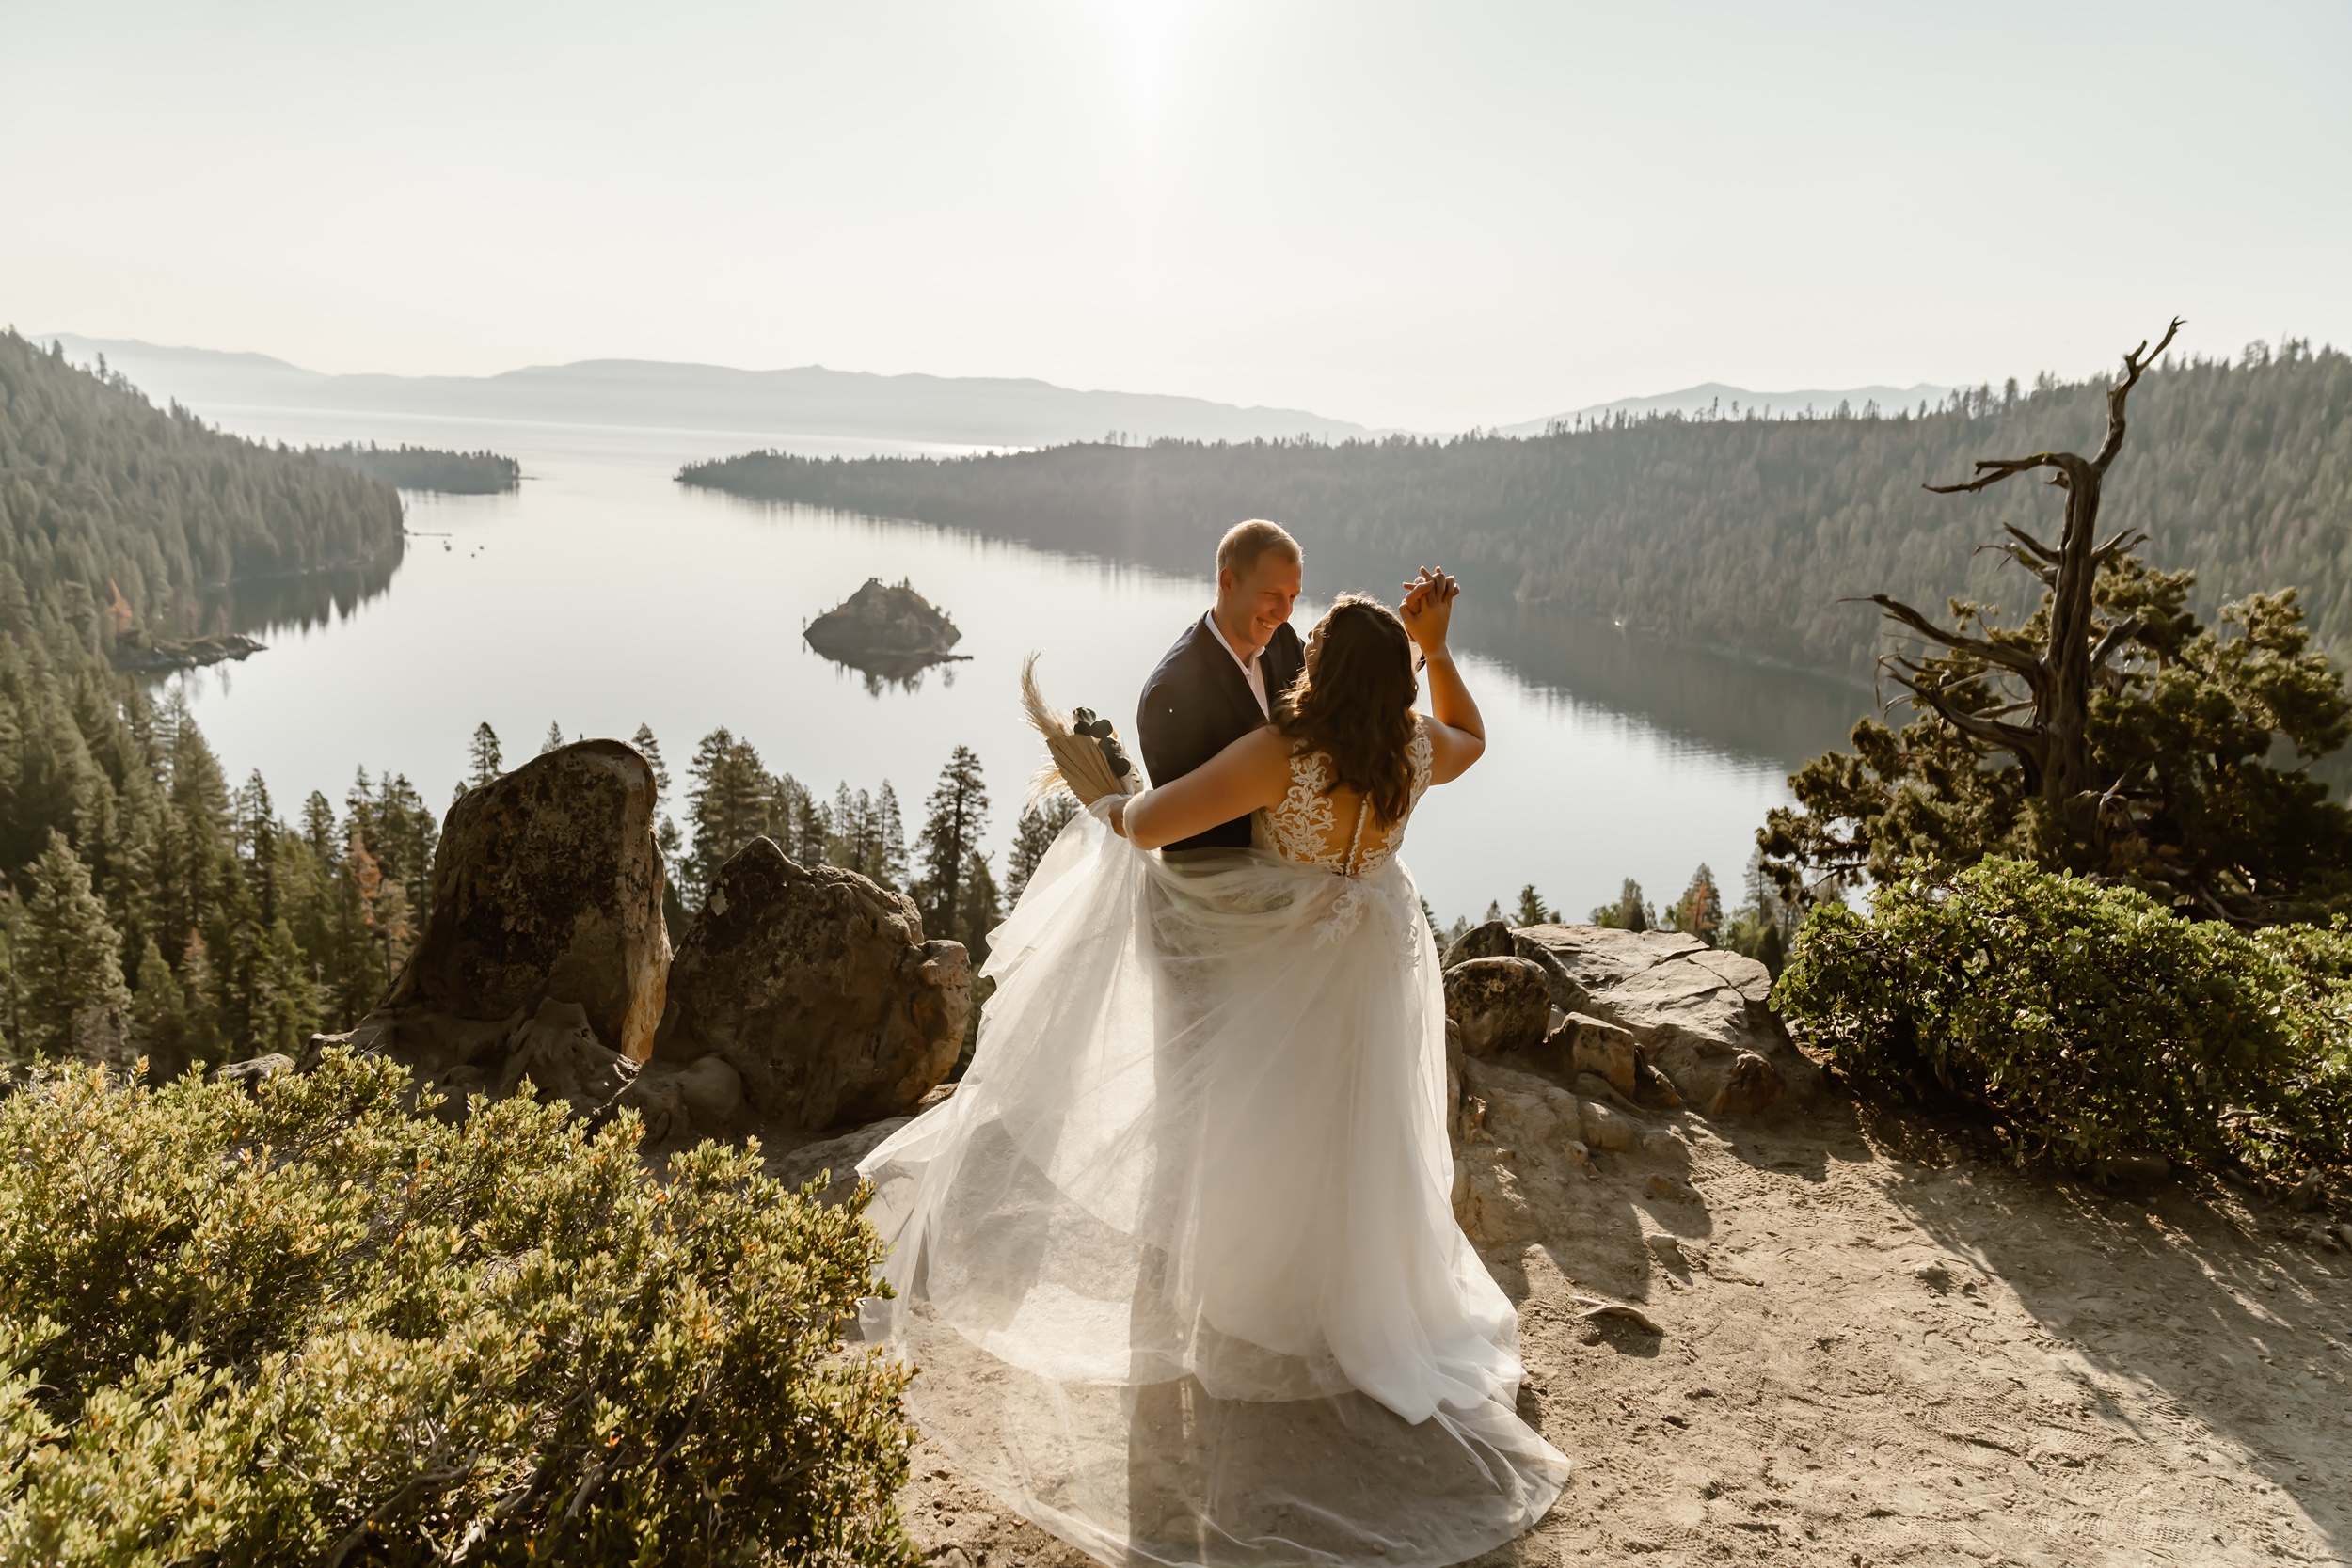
304 1326
2092 1019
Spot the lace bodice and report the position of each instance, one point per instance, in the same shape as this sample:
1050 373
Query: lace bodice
1306 828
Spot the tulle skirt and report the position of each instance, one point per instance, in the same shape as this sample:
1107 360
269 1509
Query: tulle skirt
1178 1262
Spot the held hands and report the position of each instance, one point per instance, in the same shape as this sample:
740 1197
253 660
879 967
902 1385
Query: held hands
1428 609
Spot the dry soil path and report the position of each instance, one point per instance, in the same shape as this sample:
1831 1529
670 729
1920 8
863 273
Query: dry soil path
1877 1350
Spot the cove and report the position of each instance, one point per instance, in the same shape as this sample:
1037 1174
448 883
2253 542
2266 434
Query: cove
604 595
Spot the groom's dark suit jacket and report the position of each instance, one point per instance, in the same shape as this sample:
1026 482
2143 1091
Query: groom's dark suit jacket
1197 702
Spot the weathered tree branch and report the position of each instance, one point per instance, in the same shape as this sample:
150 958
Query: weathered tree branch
2018 659
2117 635
2053 744
2002 467
2024 743
2135 364
2124 539
2048 575
2039 548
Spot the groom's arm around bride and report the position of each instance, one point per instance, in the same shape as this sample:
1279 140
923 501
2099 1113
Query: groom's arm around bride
1225 674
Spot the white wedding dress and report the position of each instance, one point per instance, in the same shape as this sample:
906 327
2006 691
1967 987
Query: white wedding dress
1178 1262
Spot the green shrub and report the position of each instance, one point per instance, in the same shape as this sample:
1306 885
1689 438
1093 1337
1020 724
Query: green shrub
305 1326
2090 1018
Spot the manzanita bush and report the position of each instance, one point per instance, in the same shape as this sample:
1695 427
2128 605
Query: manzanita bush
2094 1021
305 1325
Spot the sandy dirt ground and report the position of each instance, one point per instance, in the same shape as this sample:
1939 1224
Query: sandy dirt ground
1877 1349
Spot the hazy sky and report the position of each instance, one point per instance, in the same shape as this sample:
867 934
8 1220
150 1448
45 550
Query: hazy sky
1432 217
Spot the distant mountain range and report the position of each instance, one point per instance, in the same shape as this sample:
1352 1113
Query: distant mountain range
1732 402
981 411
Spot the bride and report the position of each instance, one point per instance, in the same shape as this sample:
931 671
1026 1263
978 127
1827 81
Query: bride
1178 1262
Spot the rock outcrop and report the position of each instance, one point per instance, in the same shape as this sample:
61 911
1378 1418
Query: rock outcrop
546 886
799 999
1491 940
251 1073
1694 1011
1498 1004
544 952
836 1159
816 985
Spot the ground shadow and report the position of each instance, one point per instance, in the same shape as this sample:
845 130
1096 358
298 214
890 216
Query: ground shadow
2184 1287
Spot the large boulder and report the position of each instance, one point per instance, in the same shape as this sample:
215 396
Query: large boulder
1693 1010
1498 1004
547 886
817 987
1491 940
834 1159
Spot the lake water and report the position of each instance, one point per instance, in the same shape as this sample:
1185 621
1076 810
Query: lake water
604 595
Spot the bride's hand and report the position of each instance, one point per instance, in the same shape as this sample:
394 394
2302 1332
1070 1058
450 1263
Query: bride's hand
1428 609
1119 815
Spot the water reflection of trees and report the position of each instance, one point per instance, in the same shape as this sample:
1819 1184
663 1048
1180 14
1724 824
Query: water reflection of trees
266 605
883 672
1782 716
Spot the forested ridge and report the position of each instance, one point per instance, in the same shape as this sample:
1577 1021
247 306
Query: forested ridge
1731 531
150 907
145 904
454 473
123 517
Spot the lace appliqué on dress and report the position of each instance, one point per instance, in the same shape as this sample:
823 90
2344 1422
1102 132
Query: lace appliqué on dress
1304 822
1301 828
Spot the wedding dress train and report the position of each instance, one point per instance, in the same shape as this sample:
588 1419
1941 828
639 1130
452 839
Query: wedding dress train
1178 1262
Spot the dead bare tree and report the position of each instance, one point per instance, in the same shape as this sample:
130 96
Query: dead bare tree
2047 731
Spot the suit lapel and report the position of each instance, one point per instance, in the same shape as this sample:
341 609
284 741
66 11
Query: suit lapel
1228 677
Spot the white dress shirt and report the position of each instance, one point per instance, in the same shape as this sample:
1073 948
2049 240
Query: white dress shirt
1252 669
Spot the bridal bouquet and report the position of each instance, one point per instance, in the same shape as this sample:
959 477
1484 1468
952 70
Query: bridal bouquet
1082 751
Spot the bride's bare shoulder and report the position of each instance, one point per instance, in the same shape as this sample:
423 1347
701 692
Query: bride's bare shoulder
1265 749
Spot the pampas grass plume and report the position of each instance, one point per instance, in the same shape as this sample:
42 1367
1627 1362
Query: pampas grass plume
1072 761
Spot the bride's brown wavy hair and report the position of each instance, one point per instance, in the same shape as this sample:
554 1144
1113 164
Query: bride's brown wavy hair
1354 702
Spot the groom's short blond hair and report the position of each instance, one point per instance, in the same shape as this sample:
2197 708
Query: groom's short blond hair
1244 542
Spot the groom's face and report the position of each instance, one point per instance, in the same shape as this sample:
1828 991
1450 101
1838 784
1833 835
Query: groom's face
1258 600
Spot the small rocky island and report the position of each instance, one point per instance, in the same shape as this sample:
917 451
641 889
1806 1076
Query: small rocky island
884 630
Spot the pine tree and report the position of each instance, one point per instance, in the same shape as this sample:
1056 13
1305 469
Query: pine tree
1040 825
284 1010
553 740
318 825
796 821
159 1014
958 813
729 804
194 970
399 831
980 907
483 755
849 823
1630 912
71 995
1531 910
1700 909
257 843
890 840
650 749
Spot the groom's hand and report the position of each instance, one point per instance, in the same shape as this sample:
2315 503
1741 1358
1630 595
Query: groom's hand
1427 581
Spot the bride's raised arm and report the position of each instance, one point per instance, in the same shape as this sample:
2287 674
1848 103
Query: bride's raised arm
1252 772
1458 735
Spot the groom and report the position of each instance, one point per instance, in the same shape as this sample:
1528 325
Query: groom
1223 676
